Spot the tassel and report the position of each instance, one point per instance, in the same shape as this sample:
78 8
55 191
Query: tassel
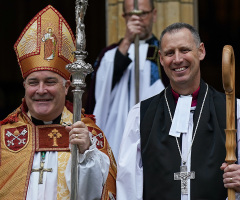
10 119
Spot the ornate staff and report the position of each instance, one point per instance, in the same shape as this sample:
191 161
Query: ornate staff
136 57
228 76
79 69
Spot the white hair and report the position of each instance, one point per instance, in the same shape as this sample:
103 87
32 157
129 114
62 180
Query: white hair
64 82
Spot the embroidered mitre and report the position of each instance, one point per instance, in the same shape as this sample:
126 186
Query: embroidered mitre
46 43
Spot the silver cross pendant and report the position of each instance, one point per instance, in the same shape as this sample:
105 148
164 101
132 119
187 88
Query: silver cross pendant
183 175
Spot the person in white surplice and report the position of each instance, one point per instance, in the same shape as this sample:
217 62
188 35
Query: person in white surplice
36 139
173 145
115 81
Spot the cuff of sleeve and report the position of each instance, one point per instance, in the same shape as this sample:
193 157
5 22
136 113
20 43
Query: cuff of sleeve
122 59
88 154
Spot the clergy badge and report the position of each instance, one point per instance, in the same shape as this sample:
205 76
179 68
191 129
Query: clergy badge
16 138
100 144
52 137
55 134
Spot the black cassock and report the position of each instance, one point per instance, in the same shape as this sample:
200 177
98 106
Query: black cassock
160 154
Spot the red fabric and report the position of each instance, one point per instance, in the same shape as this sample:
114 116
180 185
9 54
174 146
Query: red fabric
10 120
92 117
194 97
69 106
47 134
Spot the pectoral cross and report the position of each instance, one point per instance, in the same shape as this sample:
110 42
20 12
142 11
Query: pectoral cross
183 175
55 134
41 169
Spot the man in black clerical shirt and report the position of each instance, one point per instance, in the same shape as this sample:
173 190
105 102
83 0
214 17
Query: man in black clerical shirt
173 145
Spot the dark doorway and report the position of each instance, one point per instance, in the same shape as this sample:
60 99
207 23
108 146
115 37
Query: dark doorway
219 25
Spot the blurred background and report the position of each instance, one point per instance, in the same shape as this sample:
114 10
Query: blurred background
218 24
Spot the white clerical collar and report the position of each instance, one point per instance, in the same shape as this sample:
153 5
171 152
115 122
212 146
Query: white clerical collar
142 41
47 123
181 116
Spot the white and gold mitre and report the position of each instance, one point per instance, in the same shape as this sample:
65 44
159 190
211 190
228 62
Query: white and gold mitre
46 43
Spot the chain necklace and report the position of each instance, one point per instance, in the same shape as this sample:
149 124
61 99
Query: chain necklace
183 175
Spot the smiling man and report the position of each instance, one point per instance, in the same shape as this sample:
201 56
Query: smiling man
180 55
35 140
173 145
45 93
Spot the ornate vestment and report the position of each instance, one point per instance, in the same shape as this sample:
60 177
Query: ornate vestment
21 139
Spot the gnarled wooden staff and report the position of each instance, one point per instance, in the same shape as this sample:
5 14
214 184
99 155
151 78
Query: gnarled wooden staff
228 76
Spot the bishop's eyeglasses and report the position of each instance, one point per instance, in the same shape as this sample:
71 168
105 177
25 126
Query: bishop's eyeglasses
141 13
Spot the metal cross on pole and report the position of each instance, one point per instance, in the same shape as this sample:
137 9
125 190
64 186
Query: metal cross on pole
78 69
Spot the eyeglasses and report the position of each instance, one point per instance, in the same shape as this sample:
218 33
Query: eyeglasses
140 13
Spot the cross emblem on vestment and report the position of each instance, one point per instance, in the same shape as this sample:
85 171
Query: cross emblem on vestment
41 170
55 134
183 175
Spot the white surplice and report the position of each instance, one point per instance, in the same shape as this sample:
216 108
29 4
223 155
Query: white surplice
93 167
130 170
112 105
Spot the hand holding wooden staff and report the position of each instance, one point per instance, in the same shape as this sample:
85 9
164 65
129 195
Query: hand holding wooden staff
228 76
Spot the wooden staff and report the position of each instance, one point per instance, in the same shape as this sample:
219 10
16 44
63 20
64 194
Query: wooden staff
228 76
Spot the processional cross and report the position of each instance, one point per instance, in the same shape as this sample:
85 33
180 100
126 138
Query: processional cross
183 175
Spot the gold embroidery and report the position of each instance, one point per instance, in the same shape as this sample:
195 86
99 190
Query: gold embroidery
63 157
55 134
62 189
16 132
